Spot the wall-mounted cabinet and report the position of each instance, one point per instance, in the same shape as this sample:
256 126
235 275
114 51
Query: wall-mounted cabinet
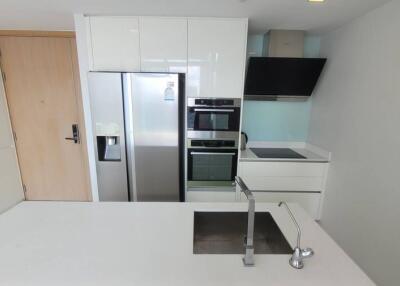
163 44
211 51
216 57
114 43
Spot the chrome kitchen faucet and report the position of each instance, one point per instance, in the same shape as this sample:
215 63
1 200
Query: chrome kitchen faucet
299 254
248 258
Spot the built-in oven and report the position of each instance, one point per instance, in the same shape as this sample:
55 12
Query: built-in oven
211 162
207 114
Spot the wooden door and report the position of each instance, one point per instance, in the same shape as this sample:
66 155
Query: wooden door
43 93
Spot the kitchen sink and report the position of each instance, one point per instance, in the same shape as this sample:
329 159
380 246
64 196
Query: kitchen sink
224 233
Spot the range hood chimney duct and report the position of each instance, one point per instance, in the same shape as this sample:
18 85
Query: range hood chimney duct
284 44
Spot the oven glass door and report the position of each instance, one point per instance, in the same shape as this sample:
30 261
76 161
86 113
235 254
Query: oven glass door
213 119
216 165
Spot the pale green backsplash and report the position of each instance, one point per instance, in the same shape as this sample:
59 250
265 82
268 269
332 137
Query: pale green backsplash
277 121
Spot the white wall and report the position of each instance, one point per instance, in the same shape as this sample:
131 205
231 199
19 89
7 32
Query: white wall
83 59
10 182
356 116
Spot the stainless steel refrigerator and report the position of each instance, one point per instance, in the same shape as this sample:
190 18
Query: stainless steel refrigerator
138 134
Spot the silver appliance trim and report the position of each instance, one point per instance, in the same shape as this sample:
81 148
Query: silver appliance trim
222 135
294 98
190 146
212 153
213 110
215 186
192 102
211 185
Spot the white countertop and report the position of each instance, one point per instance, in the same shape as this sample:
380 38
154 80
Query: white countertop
312 153
64 243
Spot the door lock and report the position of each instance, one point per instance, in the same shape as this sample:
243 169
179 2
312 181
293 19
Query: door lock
75 133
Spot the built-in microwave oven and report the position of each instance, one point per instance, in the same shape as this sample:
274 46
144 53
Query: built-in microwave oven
211 163
211 114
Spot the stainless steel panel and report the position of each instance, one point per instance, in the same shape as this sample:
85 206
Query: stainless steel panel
107 116
223 135
152 123
212 153
190 145
213 110
236 102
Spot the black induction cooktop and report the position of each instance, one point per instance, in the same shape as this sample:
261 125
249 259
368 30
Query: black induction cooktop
280 153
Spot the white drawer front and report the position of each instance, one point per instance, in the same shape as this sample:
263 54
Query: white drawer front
309 201
210 196
281 169
299 184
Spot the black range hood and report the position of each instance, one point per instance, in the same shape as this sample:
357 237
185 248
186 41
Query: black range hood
275 78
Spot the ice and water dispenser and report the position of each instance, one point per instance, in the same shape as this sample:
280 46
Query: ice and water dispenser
109 148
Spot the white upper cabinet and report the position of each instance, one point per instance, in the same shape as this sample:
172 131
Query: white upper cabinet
163 44
114 44
216 57
211 51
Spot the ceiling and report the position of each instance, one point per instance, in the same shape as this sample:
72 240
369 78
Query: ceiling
263 14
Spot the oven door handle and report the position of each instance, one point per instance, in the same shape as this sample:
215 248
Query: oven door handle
212 153
213 110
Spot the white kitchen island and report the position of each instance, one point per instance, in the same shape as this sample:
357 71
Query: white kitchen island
64 243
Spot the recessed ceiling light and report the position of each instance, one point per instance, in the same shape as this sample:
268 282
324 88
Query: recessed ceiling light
316 0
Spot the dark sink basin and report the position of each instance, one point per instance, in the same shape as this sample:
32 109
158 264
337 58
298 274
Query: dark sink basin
224 233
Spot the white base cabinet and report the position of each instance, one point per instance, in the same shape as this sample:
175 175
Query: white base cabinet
300 182
283 176
273 182
210 196
310 202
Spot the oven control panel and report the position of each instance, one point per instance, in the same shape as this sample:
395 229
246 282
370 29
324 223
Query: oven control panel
213 143
214 102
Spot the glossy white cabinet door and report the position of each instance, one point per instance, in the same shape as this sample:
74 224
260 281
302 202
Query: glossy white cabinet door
114 43
163 44
216 57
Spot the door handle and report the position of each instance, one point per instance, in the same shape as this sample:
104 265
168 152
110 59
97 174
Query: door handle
75 133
